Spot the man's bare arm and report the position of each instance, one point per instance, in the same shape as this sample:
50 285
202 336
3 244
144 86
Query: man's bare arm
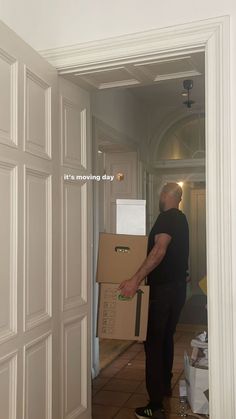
153 259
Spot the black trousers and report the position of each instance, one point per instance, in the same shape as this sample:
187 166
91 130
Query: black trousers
166 302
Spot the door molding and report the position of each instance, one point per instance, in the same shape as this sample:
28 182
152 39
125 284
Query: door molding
138 47
111 140
211 36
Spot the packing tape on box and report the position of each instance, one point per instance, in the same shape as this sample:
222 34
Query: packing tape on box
138 312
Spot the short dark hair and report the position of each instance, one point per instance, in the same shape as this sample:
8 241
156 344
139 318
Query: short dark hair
174 189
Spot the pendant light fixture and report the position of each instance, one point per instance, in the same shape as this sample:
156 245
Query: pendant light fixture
188 85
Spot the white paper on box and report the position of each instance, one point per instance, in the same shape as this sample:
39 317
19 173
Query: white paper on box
131 216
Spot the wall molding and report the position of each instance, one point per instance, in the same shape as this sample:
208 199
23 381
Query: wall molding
180 163
148 45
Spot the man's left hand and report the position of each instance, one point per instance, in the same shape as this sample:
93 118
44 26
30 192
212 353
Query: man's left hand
128 287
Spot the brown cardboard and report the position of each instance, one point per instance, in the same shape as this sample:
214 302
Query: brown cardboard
119 256
119 318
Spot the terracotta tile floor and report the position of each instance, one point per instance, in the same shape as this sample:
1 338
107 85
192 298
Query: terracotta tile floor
120 387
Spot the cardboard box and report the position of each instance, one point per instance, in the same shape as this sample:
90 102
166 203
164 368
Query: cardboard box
131 216
119 256
197 387
119 318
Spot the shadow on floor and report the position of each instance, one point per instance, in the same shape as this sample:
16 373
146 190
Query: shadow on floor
120 387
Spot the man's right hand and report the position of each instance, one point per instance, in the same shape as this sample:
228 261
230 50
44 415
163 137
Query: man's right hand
128 288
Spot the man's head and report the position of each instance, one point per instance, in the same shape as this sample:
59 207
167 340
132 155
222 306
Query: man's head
170 197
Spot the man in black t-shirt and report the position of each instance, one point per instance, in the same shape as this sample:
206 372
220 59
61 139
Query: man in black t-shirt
166 268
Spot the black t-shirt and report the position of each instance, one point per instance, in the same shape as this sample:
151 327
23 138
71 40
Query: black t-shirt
174 265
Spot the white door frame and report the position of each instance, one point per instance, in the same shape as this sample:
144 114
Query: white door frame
213 37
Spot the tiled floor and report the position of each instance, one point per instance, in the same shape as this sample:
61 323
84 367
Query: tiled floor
120 387
109 349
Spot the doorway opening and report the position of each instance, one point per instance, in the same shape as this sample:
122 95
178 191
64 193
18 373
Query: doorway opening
212 37
109 154
177 153
170 147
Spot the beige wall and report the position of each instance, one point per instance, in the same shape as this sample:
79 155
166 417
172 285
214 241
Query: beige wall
120 110
54 23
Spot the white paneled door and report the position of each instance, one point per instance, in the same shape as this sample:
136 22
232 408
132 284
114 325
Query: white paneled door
45 239
76 228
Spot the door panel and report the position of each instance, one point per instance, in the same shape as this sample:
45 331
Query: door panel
37 135
74 120
38 248
8 228
8 386
75 242
75 373
9 94
76 251
38 378
29 181
45 230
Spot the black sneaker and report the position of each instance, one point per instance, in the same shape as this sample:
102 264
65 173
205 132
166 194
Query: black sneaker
150 412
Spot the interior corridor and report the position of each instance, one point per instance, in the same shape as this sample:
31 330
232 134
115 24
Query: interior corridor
120 387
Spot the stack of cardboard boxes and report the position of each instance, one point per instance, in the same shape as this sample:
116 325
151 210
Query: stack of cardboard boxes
119 257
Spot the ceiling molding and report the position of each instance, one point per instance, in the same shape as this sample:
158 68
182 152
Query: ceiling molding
110 85
180 163
116 77
183 177
138 47
171 76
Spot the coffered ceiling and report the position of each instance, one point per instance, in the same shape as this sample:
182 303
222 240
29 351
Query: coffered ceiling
141 74
168 94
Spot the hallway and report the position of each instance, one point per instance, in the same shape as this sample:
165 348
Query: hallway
120 387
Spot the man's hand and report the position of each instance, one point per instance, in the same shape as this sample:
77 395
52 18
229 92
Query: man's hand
128 287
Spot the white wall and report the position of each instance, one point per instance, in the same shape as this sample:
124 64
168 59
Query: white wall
52 23
120 110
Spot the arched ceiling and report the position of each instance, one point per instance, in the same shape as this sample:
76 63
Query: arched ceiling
183 140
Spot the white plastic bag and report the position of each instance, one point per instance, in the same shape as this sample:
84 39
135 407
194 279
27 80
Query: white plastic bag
197 383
